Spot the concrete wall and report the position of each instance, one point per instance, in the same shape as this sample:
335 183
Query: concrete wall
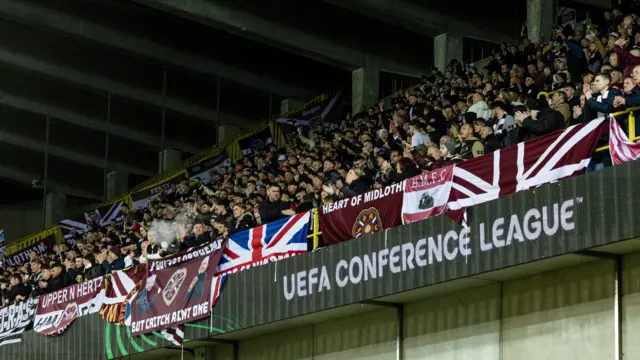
23 219
564 314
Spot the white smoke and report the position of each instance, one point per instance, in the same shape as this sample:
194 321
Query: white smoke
164 232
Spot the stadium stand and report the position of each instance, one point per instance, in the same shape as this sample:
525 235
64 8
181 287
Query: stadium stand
458 114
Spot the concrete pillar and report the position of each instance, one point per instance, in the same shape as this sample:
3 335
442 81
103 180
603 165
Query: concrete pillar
54 206
541 18
365 88
446 47
290 104
227 132
169 159
117 184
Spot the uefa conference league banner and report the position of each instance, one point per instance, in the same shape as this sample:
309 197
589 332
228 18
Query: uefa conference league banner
98 218
16 319
24 256
141 198
542 160
205 170
57 310
178 290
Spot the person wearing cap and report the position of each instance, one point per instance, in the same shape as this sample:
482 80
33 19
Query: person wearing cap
113 261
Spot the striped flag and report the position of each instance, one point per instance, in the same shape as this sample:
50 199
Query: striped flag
620 148
120 287
174 334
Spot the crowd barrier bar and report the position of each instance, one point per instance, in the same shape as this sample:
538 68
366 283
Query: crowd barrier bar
315 233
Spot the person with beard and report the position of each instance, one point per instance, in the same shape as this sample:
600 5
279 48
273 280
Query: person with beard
221 212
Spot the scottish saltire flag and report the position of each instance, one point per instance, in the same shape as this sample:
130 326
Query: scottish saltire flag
266 243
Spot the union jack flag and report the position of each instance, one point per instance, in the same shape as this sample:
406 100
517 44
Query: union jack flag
265 243
100 217
526 165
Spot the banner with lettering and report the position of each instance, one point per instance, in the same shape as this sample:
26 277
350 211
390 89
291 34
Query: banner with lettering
97 219
177 290
121 287
57 310
141 198
255 142
426 195
367 213
206 169
325 110
16 319
23 256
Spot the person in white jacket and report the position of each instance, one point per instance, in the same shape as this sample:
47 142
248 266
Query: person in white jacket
480 107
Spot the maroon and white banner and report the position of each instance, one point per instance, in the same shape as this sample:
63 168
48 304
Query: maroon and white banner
620 148
426 195
57 310
367 213
177 290
542 160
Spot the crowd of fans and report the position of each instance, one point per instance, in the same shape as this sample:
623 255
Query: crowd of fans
455 115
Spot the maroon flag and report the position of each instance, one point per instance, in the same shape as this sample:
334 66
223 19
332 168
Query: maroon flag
177 290
57 310
524 166
121 286
366 213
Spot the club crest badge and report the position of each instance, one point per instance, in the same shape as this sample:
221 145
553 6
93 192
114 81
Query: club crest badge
367 222
170 292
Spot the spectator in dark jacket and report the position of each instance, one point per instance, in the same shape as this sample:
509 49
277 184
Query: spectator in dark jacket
603 103
18 291
272 209
59 278
197 237
405 169
243 220
114 260
356 183
489 139
534 123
